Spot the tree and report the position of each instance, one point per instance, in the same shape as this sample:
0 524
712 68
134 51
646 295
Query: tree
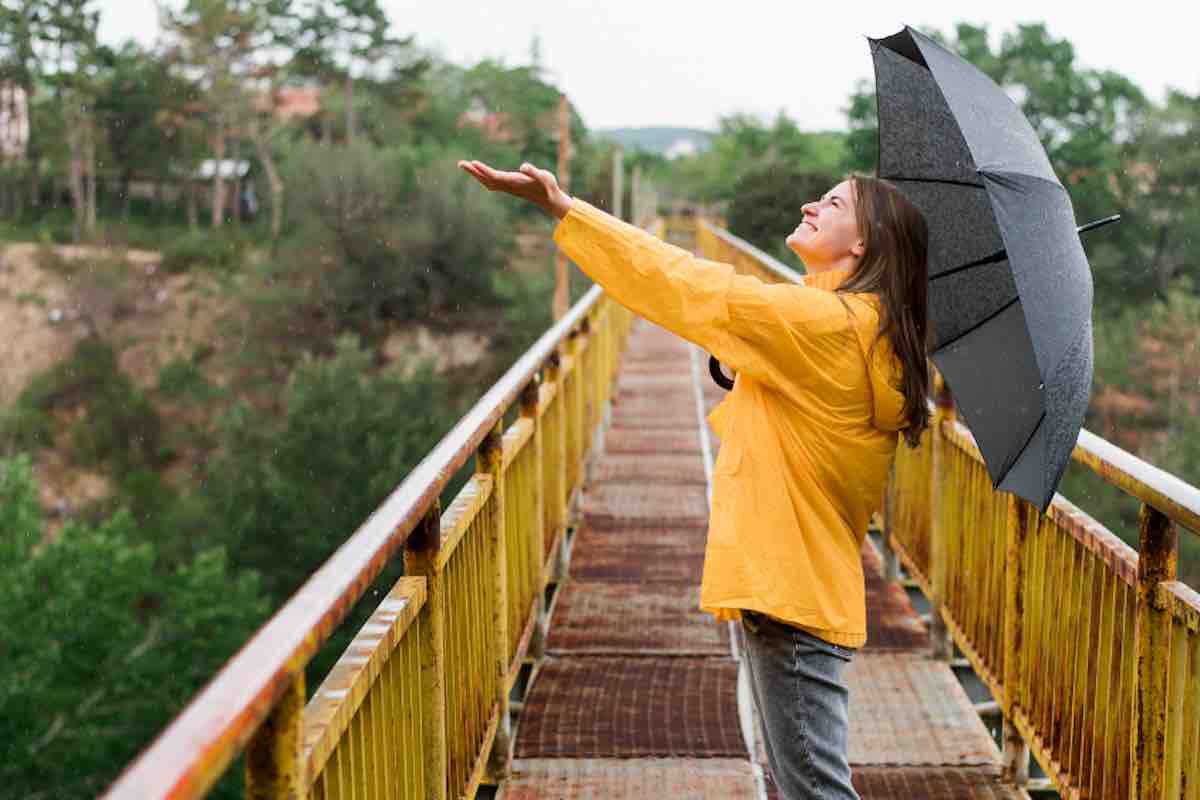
1165 172
139 105
52 44
339 40
102 646
223 43
296 487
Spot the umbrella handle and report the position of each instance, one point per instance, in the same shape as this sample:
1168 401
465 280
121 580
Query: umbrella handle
1097 223
714 369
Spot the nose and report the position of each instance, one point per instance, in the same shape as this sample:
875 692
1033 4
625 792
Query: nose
809 209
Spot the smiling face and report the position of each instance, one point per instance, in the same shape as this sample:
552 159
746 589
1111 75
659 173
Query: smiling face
827 236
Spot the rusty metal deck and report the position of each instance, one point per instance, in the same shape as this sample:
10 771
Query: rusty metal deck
638 696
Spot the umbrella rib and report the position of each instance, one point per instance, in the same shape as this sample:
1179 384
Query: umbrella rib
994 258
948 181
1032 432
981 323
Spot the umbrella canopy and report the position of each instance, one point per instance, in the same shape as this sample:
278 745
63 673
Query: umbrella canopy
1010 289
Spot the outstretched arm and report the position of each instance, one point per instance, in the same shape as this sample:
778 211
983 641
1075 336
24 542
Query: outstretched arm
772 332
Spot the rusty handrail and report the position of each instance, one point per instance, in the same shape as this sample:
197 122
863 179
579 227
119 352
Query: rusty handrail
783 273
187 758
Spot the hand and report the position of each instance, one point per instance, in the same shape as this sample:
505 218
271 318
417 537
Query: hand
538 186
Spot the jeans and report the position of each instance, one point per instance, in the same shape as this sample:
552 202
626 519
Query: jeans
802 701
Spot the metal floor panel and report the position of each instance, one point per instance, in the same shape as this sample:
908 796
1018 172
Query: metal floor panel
921 783
649 440
892 622
619 707
907 709
665 553
645 502
674 467
630 779
622 618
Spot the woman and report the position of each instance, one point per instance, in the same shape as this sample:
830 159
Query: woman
829 373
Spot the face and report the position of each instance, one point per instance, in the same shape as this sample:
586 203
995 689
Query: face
827 236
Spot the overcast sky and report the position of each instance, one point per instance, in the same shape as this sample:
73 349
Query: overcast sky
668 62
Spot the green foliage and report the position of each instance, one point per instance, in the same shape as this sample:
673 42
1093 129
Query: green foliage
745 145
766 203
385 239
221 249
119 425
119 647
182 379
288 492
525 302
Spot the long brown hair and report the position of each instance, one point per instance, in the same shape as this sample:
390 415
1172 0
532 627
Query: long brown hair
894 265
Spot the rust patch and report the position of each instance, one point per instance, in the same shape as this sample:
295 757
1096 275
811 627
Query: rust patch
649 467
629 779
927 783
892 622
644 502
613 707
665 553
907 709
649 440
642 619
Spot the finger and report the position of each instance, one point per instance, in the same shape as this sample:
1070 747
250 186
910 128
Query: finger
542 176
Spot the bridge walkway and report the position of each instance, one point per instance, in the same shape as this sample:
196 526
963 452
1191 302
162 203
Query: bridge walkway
642 695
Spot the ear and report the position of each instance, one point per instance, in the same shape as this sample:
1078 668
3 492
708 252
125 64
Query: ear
858 248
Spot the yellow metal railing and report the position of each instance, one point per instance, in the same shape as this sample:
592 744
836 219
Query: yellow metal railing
1092 649
418 705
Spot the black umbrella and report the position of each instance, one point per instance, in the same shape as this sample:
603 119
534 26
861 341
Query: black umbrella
1010 289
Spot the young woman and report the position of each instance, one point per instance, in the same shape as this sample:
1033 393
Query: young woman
830 374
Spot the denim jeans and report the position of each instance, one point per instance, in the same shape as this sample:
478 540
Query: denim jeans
802 701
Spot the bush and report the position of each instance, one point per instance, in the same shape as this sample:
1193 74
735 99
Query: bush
119 426
102 644
287 492
385 239
181 379
223 249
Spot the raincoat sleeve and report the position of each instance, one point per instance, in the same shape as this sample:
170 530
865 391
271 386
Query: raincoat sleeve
770 331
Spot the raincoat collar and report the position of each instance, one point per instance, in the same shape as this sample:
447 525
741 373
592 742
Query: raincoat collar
828 280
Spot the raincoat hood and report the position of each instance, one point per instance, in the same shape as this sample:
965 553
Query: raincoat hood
883 368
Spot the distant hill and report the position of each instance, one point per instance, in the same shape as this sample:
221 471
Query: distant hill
670 142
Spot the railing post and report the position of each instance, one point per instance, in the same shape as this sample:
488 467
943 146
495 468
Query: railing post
1157 562
891 562
490 459
421 552
537 537
556 451
1016 750
275 768
573 411
939 633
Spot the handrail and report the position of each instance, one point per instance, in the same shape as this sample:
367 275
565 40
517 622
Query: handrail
1092 648
187 758
783 272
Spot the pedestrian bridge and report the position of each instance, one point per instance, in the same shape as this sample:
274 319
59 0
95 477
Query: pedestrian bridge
545 641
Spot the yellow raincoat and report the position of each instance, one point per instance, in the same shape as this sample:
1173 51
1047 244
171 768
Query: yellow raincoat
808 432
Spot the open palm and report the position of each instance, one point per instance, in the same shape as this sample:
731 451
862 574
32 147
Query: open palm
539 186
